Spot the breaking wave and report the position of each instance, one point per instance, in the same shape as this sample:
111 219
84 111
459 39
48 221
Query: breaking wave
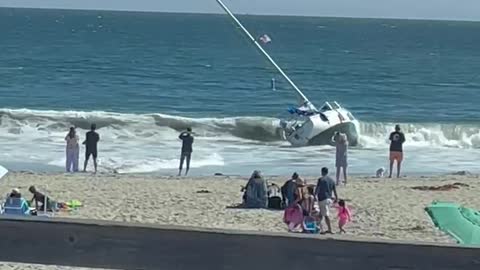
261 129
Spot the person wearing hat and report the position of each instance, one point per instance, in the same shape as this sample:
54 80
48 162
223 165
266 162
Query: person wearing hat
15 193
397 138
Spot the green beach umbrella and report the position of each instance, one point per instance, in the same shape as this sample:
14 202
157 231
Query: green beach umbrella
461 223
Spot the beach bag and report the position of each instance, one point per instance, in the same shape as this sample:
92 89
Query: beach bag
293 214
275 202
310 225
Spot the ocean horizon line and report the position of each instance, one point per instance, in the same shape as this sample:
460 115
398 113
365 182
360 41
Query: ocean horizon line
249 14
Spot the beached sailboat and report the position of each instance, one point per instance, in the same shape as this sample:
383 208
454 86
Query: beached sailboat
306 124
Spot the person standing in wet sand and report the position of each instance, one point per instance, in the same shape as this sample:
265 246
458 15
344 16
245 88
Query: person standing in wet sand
187 143
397 138
341 144
91 141
72 151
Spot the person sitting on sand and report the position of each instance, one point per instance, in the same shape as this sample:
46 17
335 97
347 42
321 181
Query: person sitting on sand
310 212
256 192
11 202
306 199
15 193
40 199
288 190
301 195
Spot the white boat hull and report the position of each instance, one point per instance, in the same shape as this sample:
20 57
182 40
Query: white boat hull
318 129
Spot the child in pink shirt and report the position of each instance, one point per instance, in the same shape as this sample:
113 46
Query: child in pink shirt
344 215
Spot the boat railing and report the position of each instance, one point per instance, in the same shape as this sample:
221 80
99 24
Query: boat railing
336 105
327 106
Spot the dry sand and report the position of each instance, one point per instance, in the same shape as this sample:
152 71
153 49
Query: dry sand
382 208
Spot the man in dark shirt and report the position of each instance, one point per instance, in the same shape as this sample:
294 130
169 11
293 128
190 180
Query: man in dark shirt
323 192
187 143
90 143
288 190
397 138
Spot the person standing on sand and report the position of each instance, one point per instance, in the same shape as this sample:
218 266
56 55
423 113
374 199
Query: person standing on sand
72 151
397 138
91 141
341 145
288 190
187 149
323 192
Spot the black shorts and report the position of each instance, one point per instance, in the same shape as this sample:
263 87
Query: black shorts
186 155
90 152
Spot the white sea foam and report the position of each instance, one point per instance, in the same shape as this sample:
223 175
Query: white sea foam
134 143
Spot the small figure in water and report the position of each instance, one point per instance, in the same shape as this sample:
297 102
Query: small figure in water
273 85
187 143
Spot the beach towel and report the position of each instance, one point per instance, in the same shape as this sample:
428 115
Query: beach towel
3 172
70 205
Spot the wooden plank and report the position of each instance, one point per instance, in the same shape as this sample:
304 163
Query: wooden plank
113 245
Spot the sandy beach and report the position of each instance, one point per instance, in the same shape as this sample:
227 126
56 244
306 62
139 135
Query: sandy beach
382 208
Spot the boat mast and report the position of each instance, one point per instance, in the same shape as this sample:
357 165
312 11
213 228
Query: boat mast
260 48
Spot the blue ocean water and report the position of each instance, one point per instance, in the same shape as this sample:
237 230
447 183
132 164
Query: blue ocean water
142 77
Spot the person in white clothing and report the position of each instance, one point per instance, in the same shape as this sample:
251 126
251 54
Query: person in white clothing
72 150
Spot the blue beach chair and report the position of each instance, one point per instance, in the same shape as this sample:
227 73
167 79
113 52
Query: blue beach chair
16 206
